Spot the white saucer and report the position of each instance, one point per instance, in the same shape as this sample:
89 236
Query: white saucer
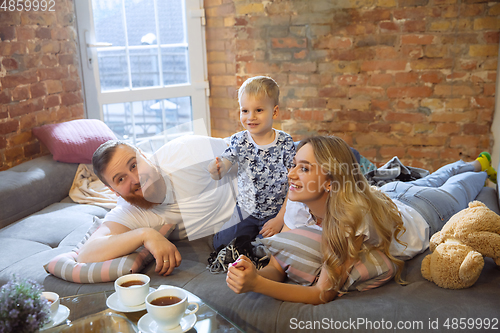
61 315
147 325
114 304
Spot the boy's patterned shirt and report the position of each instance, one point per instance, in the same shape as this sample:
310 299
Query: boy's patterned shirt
262 171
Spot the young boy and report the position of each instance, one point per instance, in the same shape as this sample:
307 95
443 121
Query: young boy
263 155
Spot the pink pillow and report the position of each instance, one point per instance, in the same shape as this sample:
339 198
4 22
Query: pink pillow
74 141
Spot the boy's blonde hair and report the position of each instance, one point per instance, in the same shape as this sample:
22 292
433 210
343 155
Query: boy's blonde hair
257 85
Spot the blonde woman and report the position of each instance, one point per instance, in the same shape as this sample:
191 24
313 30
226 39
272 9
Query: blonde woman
397 220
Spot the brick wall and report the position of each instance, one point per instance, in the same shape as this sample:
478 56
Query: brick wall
413 78
39 80
221 57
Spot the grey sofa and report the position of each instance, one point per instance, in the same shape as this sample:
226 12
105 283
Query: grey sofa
38 221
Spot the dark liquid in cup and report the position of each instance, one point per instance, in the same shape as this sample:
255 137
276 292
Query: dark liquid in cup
166 300
50 300
132 283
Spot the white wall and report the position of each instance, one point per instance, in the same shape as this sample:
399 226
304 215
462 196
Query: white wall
495 127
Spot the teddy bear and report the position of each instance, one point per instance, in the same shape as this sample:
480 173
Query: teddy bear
458 249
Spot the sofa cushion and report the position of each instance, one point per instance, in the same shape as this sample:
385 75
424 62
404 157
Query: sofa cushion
489 196
74 141
418 303
32 186
10 251
49 232
53 224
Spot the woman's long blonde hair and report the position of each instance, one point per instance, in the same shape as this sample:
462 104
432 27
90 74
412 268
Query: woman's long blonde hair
350 201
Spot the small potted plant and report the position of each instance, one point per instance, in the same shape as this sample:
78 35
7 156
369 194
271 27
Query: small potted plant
22 309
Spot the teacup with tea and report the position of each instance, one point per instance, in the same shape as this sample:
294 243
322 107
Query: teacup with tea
132 289
54 301
167 306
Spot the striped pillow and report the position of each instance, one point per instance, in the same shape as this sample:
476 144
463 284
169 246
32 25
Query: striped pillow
67 268
372 270
298 252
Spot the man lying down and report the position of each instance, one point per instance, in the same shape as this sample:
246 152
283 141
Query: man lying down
172 187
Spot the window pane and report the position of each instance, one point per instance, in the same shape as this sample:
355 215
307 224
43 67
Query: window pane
109 28
159 120
177 110
108 21
174 65
118 117
144 67
172 27
141 23
141 52
112 69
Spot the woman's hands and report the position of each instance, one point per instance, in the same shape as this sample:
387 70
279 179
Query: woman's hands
242 276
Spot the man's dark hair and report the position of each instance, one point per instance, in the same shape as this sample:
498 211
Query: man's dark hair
104 154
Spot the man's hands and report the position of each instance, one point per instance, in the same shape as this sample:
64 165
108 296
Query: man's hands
272 227
218 168
113 240
165 253
242 275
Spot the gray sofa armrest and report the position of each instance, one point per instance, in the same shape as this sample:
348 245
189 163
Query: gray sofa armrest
32 186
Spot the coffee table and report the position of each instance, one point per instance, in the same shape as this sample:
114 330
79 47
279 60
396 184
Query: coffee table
80 306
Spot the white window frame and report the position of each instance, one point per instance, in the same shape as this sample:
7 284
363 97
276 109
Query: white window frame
197 88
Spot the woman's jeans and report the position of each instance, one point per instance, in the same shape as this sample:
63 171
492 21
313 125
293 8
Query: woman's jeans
440 195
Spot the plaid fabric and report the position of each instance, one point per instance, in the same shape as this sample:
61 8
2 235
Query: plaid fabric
66 267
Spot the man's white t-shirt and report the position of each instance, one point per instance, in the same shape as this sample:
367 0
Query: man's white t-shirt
416 236
195 202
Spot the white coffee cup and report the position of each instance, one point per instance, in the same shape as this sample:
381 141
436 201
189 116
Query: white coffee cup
135 294
169 316
54 301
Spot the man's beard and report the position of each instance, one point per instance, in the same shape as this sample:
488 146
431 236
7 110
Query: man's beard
139 202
